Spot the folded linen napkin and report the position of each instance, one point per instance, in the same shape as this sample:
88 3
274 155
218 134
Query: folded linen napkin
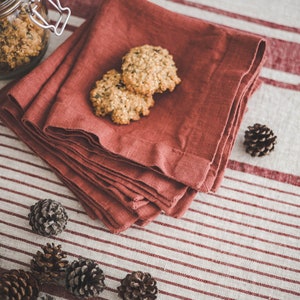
130 174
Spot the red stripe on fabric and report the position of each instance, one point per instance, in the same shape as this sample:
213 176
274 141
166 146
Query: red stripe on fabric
218 261
244 213
32 175
37 187
202 292
283 56
249 226
263 172
186 253
214 238
219 250
257 205
283 85
266 187
14 203
14 261
261 196
71 28
25 162
36 198
237 16
14 137
160 234
16 149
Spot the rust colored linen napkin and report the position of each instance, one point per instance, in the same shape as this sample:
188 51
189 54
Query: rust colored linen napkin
129 174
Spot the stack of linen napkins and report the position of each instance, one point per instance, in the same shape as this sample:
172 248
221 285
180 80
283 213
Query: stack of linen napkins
129 174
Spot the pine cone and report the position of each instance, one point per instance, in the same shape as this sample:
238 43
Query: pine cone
138 285
18 284
50 265
259 140
85 279
48 217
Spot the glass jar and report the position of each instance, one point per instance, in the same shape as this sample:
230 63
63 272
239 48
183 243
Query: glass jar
24 35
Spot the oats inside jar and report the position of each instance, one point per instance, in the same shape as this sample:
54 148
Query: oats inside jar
20 40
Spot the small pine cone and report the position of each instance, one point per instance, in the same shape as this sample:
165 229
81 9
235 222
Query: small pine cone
18 284
85 279
50 265
138 285
259 140
48 217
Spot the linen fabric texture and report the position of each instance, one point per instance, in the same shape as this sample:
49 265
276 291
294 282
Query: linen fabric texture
129 174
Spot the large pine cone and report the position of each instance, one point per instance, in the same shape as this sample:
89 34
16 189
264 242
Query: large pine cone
48 217
138 285
259 140
18 285
85 279
50 265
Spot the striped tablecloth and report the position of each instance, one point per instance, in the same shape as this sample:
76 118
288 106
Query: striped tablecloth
242 242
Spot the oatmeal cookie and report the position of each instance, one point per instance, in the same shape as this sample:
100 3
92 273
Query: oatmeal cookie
149 69
110 96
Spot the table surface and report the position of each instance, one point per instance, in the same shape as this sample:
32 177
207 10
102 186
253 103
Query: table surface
242 242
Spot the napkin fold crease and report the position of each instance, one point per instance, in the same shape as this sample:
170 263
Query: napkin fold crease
125 175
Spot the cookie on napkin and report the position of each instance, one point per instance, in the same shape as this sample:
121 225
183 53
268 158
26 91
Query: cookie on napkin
149 69
110 96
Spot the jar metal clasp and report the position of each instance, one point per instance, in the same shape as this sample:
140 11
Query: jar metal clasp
64 14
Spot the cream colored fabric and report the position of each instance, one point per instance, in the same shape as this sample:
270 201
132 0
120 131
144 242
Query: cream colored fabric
240 243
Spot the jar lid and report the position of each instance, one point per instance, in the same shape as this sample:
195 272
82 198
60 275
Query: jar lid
64 13
8 6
